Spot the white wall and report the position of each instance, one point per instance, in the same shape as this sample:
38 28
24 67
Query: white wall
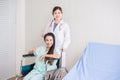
20 33
89 20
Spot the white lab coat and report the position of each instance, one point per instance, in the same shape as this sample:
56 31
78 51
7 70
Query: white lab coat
62 35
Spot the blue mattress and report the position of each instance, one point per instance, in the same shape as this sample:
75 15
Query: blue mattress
98 62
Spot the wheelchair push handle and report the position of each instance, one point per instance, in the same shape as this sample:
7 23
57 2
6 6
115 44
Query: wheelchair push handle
28 55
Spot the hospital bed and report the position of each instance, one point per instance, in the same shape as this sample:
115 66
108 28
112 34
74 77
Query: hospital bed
99 61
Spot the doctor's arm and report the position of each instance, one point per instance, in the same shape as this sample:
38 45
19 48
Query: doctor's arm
67 37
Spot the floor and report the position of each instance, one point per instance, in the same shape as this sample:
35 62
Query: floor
16 78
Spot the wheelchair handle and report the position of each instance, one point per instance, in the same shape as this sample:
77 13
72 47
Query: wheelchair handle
28 55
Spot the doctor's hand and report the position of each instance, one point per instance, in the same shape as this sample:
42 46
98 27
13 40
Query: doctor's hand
63 49
42 34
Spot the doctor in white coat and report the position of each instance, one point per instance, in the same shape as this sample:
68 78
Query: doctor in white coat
61 31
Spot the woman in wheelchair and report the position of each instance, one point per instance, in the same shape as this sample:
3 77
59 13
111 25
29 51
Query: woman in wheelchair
42 54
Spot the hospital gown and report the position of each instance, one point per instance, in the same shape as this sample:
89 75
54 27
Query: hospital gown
39 70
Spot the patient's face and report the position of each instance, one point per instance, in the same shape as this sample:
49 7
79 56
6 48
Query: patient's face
49 41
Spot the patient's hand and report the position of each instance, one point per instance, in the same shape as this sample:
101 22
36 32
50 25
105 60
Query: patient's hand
42 57
32 51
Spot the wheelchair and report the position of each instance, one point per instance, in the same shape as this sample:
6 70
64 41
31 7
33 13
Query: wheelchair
56 74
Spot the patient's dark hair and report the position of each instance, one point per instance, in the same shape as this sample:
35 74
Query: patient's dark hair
51 50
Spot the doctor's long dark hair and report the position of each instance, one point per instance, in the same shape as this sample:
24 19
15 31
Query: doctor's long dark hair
51 50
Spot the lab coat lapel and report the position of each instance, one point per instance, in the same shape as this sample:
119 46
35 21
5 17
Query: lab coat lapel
58 27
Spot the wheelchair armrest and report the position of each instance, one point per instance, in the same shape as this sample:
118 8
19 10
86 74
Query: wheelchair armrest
28 55
26 69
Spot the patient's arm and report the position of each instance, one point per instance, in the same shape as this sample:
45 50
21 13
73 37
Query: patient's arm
32 51
57 56
54 56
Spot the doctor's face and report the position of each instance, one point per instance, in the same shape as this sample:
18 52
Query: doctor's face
49 41
57 14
